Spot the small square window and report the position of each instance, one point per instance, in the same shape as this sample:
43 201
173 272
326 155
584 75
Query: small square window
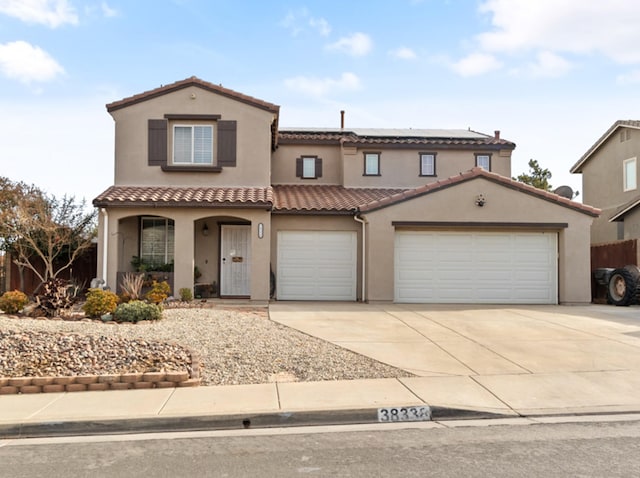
630 181
483 161
372 164
427 164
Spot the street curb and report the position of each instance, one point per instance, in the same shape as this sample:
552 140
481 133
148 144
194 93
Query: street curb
61 428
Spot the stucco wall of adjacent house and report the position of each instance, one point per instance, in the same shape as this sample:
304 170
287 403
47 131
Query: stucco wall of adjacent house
131 140
283 167
400 168
191 247
285 222
602 184
503 204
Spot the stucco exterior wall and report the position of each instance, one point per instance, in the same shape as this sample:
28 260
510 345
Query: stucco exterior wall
456 204
188 227
602 184
253 140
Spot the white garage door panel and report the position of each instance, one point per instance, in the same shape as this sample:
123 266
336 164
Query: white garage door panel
482 267
316 265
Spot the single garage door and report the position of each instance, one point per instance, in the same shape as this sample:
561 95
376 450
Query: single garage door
316 265
476 267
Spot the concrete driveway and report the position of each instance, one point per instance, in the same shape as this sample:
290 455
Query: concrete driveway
524 359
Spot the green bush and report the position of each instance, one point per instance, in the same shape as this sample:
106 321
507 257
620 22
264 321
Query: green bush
186 295
159 292
100 302
13 301
136 310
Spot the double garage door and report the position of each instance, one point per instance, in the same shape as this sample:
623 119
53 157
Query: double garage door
429 267
476 267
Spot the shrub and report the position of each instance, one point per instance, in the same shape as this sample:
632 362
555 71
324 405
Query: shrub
159 292
136 310
56 295
100 302
186 295
14 301
131 285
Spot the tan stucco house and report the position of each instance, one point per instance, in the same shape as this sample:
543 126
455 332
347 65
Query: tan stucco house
206 179
609 171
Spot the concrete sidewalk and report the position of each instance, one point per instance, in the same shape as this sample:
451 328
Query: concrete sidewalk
469 362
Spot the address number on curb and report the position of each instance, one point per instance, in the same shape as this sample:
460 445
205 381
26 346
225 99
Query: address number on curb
404 414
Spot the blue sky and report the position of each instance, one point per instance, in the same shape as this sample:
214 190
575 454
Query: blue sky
552 75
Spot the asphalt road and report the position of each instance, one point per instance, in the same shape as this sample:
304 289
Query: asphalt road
603 449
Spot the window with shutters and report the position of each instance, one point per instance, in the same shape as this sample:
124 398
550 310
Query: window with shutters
192 144
309 167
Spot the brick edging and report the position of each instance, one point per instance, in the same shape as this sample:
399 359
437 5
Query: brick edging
124 381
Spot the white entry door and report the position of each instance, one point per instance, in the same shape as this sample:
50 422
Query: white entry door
235 261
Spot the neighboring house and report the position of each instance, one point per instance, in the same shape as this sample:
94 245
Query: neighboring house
609 171
206 178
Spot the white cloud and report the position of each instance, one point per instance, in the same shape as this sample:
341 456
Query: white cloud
629 78
358 44
404 53
476 64
52 13
299 20
321 86
549 65
569 26
24 62
107 11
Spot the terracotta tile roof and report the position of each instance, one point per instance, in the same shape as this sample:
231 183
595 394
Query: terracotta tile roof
192 81
325 199
182 196
625 209
476 173
358 136
635 124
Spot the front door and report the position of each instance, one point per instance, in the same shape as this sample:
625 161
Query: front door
235 261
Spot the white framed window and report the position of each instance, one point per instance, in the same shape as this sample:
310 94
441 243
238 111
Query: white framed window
193 144
483 161
309 167
630 174
427 164
156 240
372 164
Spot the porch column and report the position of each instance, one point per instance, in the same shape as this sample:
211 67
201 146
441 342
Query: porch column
183 255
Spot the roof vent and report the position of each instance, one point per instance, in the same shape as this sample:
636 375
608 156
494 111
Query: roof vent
341 119
496 134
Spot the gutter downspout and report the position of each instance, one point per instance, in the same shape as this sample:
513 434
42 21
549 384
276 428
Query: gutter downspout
357 218
105 243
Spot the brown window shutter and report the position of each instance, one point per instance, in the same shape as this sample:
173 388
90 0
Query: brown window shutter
318 167
298 167
227 132
157 142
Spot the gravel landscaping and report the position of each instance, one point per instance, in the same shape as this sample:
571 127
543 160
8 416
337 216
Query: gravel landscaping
235 346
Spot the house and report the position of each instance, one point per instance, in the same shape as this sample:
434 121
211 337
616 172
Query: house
206 178
609 171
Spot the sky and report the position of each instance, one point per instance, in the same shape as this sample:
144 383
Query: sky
551 75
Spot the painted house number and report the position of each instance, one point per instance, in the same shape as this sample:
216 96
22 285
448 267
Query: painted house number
404 414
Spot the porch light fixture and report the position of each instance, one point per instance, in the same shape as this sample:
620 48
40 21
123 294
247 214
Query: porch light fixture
205 230
480 200
260 230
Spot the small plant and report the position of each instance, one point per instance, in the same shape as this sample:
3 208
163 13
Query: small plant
100 302
56 295
186 295
159 292
13 301
137 310
131 285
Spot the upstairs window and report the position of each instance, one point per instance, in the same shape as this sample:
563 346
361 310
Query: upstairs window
630 180
193 144
309 167
427 164
483 161
372 164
